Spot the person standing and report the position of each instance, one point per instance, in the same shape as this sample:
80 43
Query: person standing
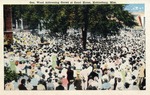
141 75
40 86
16 84
64 82
60 87
106 85
29 85
50 85
93 74
34 82
72 87
78 82
22 85
84 76
9 86
70 75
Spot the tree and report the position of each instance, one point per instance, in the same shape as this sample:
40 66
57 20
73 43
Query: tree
30 14
9 75
102 19
59 19
97 19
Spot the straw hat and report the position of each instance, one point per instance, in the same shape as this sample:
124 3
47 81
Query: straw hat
60 82
71 80
78 72
95 70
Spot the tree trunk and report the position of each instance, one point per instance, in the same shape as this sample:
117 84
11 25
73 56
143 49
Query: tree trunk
85 26
84 34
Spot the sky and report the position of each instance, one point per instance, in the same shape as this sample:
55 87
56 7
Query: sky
135 7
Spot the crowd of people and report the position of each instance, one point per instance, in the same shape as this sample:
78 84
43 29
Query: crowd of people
112 63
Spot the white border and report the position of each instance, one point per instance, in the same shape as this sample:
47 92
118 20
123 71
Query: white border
99 92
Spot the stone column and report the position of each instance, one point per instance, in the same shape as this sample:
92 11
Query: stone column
21 23
41 21
16 24
38 26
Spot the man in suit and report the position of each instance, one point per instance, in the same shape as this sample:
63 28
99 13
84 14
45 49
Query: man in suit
60 87
70 75
22 85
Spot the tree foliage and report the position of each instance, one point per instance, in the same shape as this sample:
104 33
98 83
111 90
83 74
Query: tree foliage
9 75
97 19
